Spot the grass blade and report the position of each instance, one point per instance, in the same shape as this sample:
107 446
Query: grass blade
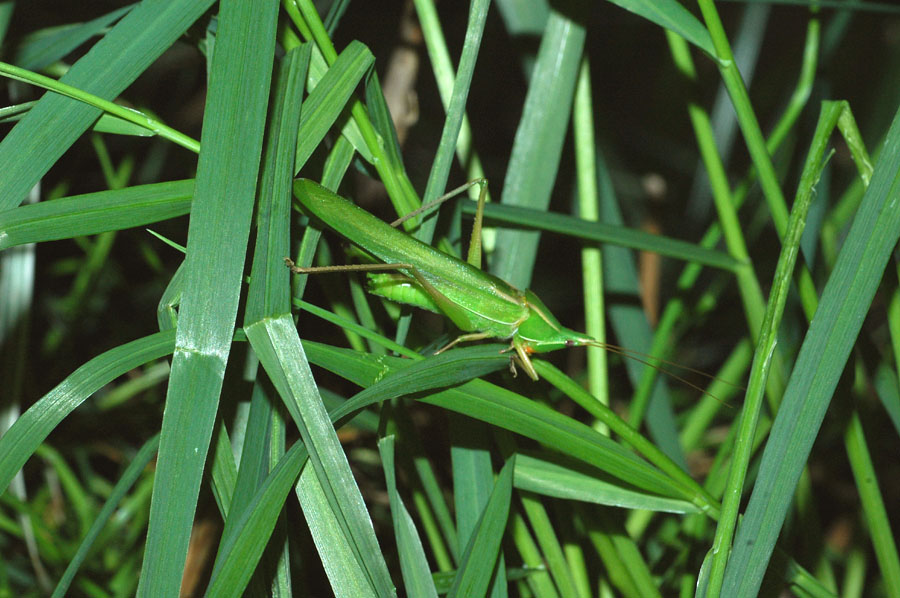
46 49
538 145
240 551
129 477
494 405
873 505
765 349
329 97
50 128
845 300
30 430
552 476
276 342
473 480
217 242
482 551
671 15
94 213
413 562
604 232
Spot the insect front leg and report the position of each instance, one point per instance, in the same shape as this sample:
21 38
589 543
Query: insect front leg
522 356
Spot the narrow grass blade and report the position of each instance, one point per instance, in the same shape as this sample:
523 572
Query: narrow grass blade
845 300
224 472
382 122
328 99
253 459
278 347
94 213
483 549
246 542
432 506
438 371
551 476
344 570
633 330
6 10
765 349
539 582
550 545
588 197
603 232
538 144
37 142
267 295
234 121
473 480
129 477
440 168
627 569
873 505
241 550
413 562
269 290
506 409
30 430
43 50
669 14
107 123
442 67
628 434
135 117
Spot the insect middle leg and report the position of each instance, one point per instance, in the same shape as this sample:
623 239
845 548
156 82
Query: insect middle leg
464 338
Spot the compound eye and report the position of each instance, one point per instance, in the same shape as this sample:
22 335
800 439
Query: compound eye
570 342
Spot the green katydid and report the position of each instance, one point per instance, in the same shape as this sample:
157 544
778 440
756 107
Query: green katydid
477 302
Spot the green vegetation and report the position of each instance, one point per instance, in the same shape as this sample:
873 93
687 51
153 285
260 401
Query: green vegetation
267 433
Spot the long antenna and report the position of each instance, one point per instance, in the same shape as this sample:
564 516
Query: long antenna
648 360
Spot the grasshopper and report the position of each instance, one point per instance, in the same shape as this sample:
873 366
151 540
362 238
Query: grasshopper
477 302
